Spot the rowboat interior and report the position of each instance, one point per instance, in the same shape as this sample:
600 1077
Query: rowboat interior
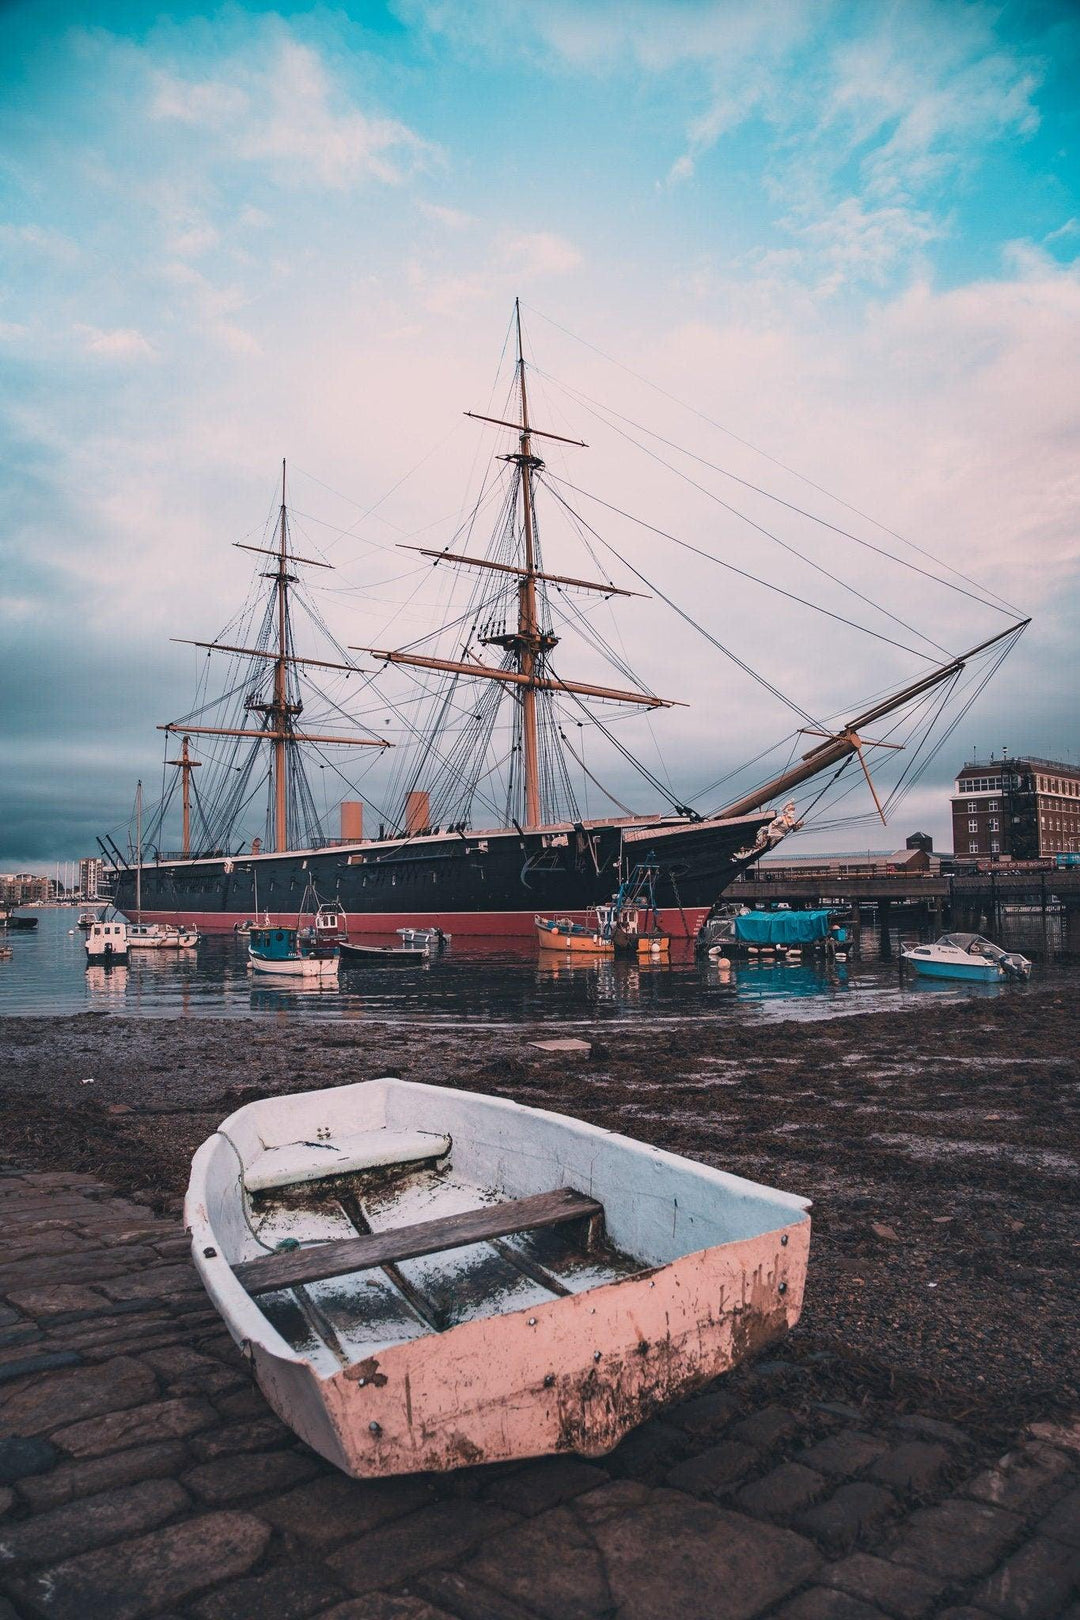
345 1319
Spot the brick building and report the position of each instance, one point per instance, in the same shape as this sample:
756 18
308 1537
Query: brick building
1016 809
23 889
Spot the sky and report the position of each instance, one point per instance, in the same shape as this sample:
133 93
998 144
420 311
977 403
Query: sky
830 249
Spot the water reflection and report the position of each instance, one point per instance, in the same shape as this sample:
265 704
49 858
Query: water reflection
106 986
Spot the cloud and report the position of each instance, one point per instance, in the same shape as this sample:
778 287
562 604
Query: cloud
40 242
455 219
283 109
867 113
538 253
854 242
122 343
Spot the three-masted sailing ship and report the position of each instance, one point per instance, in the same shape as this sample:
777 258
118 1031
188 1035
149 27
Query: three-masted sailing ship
431 866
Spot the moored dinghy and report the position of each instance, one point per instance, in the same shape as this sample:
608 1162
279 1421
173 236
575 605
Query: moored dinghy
424 1278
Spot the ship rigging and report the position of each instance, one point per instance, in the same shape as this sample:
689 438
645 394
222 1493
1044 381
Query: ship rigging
535 848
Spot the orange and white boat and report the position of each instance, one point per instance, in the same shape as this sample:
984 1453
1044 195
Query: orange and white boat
563 934
423 1278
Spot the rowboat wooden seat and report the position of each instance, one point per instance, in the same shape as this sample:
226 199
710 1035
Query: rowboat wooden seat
294 1162
338 1258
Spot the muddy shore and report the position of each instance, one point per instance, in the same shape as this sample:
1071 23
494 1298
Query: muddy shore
941 1148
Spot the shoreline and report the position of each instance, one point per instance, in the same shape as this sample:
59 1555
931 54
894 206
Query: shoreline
940 1145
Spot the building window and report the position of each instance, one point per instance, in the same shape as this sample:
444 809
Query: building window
993 805
994 824
995 847
972 805
973 848
973 826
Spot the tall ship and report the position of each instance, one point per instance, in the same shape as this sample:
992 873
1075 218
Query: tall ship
480 826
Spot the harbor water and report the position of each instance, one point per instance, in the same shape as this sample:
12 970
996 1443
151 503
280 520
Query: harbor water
486 982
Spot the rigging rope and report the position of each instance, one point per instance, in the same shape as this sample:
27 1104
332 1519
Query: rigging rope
731 568
775 460
595 408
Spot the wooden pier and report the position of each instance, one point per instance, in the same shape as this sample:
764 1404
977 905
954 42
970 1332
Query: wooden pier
959 901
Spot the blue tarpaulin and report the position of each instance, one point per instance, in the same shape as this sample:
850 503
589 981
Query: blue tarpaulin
782 927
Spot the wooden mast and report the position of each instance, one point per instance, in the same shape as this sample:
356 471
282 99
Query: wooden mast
280 705
186 765
278 714
528 636
138 851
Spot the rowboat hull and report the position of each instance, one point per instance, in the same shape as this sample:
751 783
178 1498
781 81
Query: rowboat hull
718 1270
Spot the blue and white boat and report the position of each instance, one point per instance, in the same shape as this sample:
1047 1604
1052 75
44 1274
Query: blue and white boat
967 956
286 953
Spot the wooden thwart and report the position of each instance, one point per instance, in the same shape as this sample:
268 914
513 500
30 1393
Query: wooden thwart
336 1258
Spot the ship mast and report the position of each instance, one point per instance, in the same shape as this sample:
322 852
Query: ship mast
528 637
280 710
138 851
186 765
278 714
528 642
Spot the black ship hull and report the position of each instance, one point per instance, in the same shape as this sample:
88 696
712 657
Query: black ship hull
467 883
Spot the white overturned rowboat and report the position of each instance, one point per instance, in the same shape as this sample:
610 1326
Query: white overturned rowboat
425 1278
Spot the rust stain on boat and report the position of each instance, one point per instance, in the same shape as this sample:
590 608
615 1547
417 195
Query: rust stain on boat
366 1372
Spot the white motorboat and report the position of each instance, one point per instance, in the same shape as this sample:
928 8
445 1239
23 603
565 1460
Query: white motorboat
161 937
966 956
431 939
107 942
423 1278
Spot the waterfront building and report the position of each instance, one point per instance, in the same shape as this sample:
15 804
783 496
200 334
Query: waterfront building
91 871
23 889
1023 809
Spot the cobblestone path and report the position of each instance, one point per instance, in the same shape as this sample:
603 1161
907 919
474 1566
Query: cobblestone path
141 1474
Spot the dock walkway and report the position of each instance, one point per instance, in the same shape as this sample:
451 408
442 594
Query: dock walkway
142 1474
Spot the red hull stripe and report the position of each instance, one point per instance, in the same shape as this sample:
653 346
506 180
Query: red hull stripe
461 924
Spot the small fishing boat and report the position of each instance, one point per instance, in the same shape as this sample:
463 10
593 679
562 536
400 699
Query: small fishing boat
284 952
424 1278
631 921
6 953
8 919
88 918
107 942
563 934
328 925
247 925
432 939
162 937
384 955
966 956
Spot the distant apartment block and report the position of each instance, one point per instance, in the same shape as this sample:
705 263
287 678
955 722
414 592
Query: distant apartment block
1017 809
91 873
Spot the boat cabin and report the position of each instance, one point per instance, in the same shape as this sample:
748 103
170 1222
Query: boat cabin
107 941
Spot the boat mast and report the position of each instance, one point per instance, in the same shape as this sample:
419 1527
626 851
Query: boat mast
186 765
528 635
280 706
138 851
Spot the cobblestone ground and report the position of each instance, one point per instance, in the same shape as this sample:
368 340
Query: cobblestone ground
141 1474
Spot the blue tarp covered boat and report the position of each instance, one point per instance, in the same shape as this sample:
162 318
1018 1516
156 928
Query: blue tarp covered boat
782 927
